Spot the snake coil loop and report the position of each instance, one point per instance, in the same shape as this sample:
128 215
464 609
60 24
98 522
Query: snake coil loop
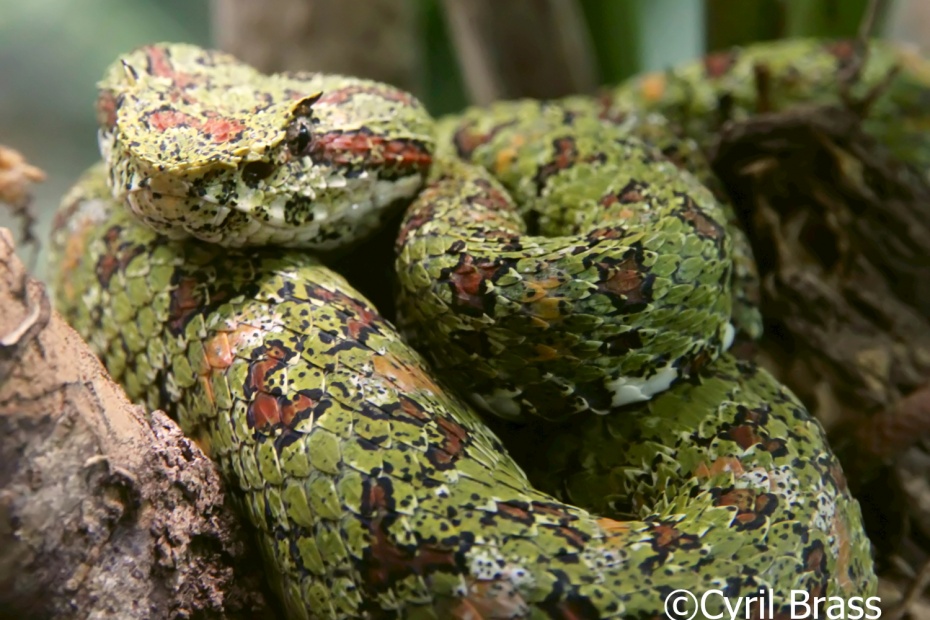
568 260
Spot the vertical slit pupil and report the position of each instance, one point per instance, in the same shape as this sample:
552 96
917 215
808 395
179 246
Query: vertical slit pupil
299 136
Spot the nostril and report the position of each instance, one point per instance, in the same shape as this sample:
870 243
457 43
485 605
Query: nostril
255 171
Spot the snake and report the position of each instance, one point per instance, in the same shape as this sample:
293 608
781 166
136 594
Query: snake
569 266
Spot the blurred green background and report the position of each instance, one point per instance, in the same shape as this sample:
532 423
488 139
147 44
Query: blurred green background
53 51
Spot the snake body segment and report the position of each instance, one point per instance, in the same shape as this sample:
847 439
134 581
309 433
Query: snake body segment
624 288
376 492
699 97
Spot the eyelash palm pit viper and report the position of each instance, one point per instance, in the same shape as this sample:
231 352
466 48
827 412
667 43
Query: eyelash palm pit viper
576 270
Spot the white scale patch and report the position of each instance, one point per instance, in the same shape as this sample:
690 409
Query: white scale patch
728 335
781 481
826 510
501 402
485 567
628 390
755 479
517 575
601 559
94 211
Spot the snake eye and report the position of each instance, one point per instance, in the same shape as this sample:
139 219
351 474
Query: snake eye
299 137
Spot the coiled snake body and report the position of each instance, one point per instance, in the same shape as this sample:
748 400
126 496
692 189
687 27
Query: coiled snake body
375 490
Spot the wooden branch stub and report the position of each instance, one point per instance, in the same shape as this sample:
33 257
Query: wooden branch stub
104 511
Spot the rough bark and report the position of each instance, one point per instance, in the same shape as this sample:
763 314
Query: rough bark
377 39
521 48
105 512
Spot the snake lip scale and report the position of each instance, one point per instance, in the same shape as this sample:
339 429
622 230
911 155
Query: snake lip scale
572 266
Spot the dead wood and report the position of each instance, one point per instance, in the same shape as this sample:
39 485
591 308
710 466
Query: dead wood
104 511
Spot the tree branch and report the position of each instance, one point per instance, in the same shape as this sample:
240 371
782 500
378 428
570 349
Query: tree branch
104 511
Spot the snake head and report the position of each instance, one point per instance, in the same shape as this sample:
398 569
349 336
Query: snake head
200 144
